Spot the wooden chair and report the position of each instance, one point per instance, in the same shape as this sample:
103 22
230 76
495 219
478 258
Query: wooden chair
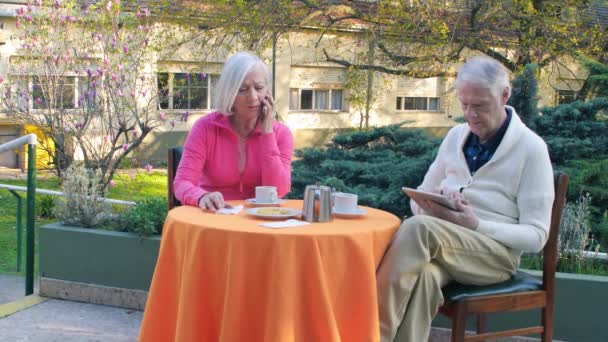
521 292
173 158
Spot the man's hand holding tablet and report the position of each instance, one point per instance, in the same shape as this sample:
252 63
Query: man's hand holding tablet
419 195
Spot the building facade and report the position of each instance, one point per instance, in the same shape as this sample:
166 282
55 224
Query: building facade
312 97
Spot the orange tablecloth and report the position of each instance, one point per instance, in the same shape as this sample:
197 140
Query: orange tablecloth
225 278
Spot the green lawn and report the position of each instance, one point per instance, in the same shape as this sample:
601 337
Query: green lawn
129 185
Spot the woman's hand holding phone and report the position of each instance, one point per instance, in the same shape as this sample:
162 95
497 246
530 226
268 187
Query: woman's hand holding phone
267 114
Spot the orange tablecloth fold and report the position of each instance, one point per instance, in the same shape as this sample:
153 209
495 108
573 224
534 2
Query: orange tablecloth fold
225 278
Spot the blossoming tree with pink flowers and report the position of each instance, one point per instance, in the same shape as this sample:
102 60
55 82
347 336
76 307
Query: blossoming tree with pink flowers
81 75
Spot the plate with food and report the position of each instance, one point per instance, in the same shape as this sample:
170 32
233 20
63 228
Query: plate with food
273 212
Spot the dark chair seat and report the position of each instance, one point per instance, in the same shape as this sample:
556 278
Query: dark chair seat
519 282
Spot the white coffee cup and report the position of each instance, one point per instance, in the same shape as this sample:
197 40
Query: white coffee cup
266 194
345 202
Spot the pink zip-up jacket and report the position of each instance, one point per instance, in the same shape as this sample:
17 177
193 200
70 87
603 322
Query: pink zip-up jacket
210 161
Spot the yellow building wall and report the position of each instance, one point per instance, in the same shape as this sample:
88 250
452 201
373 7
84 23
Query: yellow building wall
44 145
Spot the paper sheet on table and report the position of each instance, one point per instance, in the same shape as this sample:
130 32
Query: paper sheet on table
284 224
230 211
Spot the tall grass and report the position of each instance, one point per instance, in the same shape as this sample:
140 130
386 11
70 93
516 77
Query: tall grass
575 244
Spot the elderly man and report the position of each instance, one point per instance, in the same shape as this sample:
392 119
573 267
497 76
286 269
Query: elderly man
499 175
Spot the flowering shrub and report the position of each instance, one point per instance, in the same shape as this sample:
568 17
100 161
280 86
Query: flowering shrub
82 203
80 76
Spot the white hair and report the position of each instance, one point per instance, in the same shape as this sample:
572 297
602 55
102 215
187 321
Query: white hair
484 72
234 72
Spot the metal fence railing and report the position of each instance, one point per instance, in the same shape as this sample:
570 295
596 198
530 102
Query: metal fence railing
30 216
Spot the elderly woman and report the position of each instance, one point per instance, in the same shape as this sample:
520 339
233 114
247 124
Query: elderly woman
499 174
240 146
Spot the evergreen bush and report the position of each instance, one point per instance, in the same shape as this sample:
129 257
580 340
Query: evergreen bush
374 164
145 218
524 94
574 130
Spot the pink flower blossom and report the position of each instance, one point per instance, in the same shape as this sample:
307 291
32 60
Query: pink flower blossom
1 79
114 77
125 147
125 49
134 134
119 93
112 183
162 116
132 94
109 6
185 116
38 101
106 139
148 167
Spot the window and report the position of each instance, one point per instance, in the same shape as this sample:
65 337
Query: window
565 96
59 91
315 99
186 90
418 103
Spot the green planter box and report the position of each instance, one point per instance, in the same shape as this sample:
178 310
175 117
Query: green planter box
580 307
92 264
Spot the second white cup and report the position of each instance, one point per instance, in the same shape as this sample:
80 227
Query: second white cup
266 194
345 202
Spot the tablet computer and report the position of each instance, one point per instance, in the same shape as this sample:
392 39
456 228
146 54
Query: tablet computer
419 195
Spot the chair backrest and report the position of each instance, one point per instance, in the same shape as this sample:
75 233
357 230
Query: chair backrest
173 158
550 250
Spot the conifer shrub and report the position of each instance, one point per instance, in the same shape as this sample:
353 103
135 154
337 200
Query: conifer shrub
574 130
524 94
374 164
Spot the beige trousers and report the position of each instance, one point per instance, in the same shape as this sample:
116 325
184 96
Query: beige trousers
426 254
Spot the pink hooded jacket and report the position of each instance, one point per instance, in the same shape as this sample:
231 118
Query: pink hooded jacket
210 161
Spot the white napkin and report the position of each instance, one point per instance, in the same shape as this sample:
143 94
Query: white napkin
230 211
284 224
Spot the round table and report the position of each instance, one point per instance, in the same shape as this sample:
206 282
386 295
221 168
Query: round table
226 278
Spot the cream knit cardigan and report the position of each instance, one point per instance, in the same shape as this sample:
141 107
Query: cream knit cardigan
512 194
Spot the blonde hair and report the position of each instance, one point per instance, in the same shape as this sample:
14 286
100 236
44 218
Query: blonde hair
234 72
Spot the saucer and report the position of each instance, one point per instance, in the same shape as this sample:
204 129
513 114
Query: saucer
253 202
349 214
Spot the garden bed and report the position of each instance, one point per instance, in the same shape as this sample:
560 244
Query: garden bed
96 266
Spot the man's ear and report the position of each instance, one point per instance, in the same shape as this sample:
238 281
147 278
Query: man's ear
504 97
